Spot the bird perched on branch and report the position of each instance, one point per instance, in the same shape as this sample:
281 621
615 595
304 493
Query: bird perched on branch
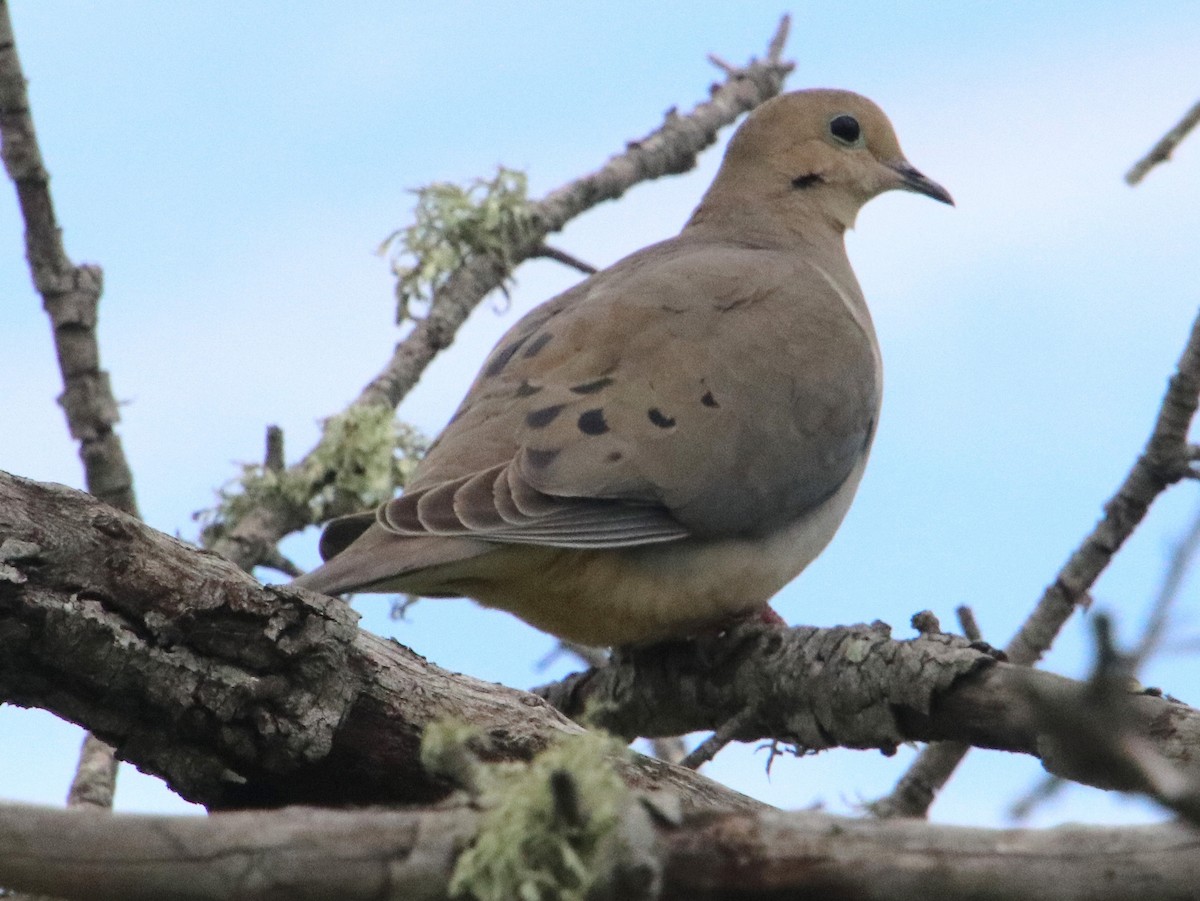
660 449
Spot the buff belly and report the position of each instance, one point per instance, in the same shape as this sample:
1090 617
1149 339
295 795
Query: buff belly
642 594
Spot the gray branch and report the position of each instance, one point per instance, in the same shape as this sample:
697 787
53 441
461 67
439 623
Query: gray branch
1161 152
240 695
1165 460
399 855
71 297
236 694
70 293
852 687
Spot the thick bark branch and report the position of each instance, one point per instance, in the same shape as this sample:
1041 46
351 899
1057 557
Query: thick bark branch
311 855
238 695
241 695
671 149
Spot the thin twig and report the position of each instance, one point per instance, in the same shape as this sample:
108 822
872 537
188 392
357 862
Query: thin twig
1161 152
70 293
273 458
277 561
1093 724
70 296
670 149
1181 558
561 256
711 746
1179 561
968 624
1164 461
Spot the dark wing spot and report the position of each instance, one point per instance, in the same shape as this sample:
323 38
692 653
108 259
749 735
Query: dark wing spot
525 389
592 422
502 356
659 418
592 387
807 181
615 457
539 419
537 344
708 400
540 459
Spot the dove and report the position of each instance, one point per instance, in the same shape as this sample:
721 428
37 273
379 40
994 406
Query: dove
660 449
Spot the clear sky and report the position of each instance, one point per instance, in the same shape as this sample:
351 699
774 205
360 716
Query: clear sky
233 166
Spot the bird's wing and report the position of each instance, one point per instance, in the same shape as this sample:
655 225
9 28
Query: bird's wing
697 389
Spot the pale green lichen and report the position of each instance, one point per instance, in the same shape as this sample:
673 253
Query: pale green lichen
452 223
364 455
533 843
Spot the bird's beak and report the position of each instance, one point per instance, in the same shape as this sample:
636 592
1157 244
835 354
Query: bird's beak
912 180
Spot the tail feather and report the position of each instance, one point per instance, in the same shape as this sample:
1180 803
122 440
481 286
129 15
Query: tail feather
381 561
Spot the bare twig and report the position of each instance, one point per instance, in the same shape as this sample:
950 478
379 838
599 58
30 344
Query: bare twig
561 256
69 293
1047 787
712 746
70 296
1161 152
670 149
968 624
1164 461
1091 727
1180 559
273 459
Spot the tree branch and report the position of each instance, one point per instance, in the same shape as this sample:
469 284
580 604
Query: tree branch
71 297
850 686
1165 460
671 149
1161 152
70 293
236 694
241 695
319 855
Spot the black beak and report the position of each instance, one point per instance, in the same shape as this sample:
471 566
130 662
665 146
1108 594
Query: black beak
913 180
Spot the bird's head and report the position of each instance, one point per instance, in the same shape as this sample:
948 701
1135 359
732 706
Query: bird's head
823 152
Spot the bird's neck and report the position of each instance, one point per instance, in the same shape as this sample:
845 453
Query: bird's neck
807 232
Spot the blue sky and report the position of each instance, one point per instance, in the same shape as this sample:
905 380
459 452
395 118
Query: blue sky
233 167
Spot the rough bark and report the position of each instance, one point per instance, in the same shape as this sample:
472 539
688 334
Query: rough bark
241 695
238 695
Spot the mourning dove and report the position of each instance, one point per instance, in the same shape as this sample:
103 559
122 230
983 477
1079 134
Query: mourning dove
663 447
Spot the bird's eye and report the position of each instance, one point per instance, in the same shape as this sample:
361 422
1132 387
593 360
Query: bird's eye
845 128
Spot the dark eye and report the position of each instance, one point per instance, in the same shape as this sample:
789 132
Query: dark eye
845 128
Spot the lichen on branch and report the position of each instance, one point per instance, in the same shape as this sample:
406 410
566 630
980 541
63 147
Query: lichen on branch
550 827
451 224
365 454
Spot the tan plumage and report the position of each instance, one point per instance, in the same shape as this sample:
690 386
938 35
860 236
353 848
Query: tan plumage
670 442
